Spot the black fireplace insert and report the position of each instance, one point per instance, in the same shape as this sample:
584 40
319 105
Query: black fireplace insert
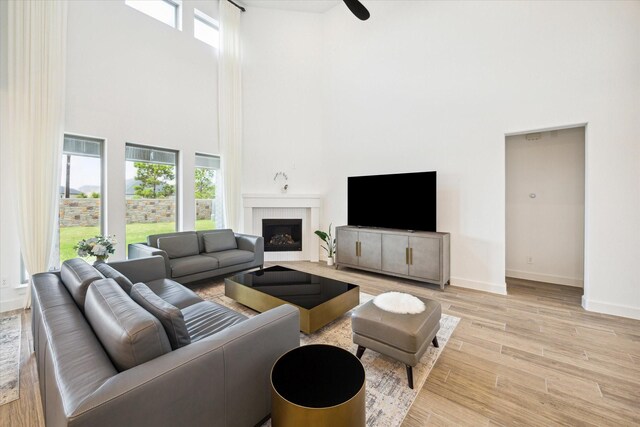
282 235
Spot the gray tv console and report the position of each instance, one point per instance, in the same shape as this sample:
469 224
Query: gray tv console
419 255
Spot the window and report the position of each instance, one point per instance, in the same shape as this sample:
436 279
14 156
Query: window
150 191
24 274
208 197
205 28
167 11
80 213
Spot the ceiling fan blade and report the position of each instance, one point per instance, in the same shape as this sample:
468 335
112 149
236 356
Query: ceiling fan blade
357 9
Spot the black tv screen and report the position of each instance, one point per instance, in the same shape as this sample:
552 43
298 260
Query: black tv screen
405 201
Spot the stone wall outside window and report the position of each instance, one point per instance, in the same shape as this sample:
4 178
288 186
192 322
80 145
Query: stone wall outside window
86 212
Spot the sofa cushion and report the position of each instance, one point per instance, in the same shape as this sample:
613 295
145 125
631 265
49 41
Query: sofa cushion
191 265
71 360
142 269
179 246
152 239
220 240
170 316
174 293
111 273
49 291
207 318
232 257
77 275
130 334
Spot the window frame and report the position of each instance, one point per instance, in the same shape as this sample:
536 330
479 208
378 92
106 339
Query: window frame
102 225
218 187
177 193
176 4
198 15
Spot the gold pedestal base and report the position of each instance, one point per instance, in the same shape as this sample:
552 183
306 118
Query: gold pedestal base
348 414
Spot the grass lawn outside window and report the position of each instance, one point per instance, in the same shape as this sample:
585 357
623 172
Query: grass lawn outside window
136 233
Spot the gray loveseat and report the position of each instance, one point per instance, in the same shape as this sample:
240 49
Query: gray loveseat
197 255
104 360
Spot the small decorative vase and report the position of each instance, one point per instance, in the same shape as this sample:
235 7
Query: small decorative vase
330 261
100 259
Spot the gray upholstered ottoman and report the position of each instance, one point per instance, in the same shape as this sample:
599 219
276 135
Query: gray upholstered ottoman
404 337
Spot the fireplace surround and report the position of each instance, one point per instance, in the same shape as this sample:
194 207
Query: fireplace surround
276 205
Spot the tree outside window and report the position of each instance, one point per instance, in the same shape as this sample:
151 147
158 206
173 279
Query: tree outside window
154 180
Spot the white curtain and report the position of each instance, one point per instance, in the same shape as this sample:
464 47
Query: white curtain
35 125
230 111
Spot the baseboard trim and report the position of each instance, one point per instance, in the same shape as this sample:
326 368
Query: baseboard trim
11 304
479 286
612 309
546 278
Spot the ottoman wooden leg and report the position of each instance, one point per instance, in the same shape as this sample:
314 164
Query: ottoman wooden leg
435 342
360 351
410 376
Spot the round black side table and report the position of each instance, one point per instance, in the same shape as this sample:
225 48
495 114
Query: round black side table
318 385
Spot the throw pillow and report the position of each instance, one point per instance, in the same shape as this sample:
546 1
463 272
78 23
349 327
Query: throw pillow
222 240
77 275
179 246
169 316
129 334
111 273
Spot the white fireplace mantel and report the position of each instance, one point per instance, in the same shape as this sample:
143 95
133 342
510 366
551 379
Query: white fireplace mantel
304 206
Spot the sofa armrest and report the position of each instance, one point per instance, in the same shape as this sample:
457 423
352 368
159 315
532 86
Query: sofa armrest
223 379
142 250
251 243
142 270
247 242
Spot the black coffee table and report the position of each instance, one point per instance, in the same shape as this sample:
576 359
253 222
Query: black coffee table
319 299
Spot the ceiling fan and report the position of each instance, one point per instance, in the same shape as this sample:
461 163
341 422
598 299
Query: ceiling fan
357 9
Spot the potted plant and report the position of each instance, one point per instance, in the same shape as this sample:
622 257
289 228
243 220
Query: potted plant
100 247
330 244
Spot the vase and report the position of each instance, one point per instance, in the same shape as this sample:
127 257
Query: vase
330 261
100 260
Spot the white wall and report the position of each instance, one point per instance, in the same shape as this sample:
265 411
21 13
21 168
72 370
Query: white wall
437 85
282 94
130 78
545 234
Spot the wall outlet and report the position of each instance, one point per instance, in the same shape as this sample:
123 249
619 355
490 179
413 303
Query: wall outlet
529 260
4 283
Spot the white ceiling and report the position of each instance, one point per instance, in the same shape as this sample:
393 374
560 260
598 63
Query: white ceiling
311 6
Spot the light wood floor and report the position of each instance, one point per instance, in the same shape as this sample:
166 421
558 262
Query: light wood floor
534 357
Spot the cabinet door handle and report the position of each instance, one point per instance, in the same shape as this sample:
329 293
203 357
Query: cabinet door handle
357 249
406 256
410 256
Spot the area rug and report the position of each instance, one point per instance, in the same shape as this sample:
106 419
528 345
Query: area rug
388 396
10 328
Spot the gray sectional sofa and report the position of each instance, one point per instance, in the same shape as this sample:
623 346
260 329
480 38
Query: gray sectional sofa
122 345
197 255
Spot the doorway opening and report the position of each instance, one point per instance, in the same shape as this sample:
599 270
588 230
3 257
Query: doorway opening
545 212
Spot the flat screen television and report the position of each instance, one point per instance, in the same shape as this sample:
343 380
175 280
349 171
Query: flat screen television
405 201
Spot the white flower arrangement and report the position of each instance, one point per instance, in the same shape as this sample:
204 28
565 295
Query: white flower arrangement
100 247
